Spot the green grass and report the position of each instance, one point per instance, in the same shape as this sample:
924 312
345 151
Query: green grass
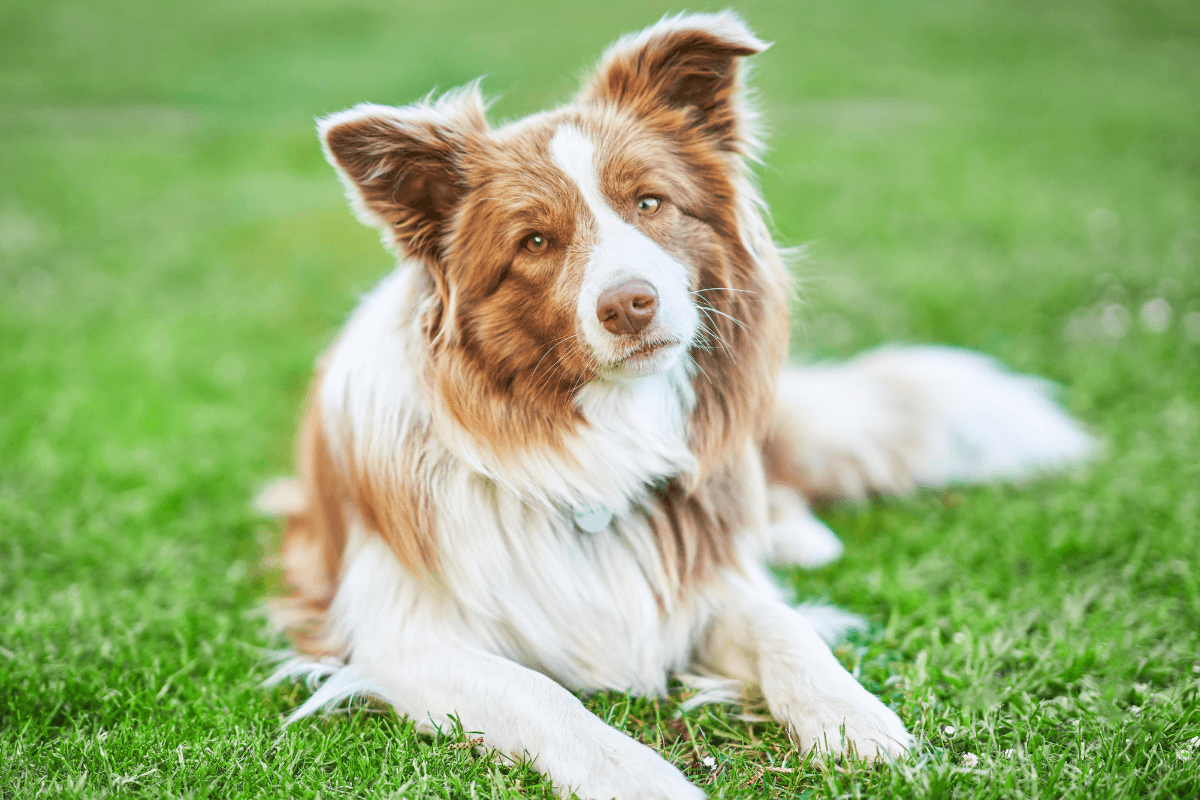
1017 177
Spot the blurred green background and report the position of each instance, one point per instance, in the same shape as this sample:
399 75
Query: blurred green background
1018 177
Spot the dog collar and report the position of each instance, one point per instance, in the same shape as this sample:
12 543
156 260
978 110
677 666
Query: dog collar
593 519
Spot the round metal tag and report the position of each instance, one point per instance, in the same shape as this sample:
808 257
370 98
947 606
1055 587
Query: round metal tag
593 519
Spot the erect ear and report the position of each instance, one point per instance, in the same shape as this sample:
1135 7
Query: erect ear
689 61
401 166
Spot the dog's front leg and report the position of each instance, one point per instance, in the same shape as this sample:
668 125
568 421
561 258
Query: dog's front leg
772 645
525 714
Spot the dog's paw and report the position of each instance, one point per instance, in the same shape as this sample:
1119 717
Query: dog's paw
873 734
852 722
864 727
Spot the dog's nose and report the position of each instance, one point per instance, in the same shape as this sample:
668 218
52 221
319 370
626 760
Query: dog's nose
627 308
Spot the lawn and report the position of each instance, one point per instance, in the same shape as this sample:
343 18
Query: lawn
1018 177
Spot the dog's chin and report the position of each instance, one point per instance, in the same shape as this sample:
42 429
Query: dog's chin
646 358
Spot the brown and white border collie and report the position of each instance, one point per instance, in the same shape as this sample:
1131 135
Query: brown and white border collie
552 450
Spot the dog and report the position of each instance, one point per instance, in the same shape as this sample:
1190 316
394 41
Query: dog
551 452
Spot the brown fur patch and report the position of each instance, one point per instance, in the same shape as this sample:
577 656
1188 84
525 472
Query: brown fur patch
694 528
393 500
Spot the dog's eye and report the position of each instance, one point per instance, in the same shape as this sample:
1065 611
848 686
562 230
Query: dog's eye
536 243
648 205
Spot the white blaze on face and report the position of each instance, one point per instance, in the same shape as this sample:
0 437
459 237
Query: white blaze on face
624 253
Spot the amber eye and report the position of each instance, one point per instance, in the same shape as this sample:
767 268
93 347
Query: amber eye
536 243
648 205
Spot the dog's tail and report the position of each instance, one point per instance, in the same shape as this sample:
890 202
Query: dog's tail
898 418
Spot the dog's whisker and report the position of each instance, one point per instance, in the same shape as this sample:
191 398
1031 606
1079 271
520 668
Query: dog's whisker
556 366
729 317
702 341
558 361
711 331
551 349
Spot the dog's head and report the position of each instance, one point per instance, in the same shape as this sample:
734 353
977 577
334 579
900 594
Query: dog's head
606 240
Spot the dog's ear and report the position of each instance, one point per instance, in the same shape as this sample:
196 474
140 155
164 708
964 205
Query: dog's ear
401 166
688 62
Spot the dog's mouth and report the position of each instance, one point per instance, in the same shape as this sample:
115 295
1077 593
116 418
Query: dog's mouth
644 350
643 358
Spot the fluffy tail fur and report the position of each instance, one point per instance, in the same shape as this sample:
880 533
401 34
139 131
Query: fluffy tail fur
898 418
